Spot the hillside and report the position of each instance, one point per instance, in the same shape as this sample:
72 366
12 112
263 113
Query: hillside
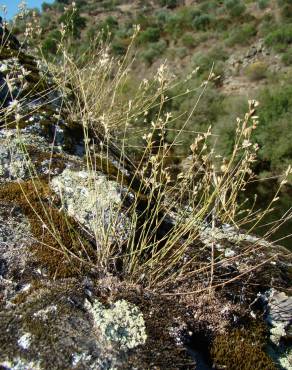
249 43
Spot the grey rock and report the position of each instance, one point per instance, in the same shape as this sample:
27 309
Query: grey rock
280 308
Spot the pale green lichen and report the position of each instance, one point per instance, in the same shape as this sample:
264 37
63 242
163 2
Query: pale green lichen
95 202
277 332
285 360
122 323
24 341
20 364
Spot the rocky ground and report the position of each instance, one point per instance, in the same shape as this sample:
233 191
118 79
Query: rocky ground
58 313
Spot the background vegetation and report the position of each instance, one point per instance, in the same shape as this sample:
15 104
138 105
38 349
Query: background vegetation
246 44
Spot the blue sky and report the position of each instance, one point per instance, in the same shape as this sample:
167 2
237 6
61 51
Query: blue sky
12 5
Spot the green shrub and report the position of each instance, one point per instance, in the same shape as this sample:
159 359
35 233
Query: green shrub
209 6
242 35
206 114
267 25
151 34
274 134
263 4
74 22
45 20
280 38
109 24
223 24
287 57
214 58
181 52
231 107
189 40
46 7
108 28
202 22
162 17
175 25
144 21
153 51
119 46
50 44
169 3
256 71
181 21
235 7
109 4
286 12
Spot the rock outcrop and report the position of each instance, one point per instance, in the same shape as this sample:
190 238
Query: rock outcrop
59 312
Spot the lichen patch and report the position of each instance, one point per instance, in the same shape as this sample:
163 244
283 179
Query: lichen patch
123 323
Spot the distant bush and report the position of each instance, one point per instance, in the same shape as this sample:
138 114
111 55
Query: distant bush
119 46
153 51
143 20
183 20
162 17
151 34
74 22
267 25
242 35
216 56
202 22
236 8
168 3
181 52
206 114
287 57
175 25
50 44
109 4
108 28
59 7
46 6
286 12
280 38
263 4
208 6
189 40
275 135
109 24
45 20
256 71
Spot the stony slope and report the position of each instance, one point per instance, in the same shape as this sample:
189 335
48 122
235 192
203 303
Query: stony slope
58 313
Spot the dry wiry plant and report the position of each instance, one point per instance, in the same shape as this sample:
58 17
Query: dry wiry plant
166 214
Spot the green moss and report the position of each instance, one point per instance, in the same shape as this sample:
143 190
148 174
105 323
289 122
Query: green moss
57 161
58 242
242 349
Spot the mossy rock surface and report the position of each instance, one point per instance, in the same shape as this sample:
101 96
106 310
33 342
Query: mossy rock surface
242 349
